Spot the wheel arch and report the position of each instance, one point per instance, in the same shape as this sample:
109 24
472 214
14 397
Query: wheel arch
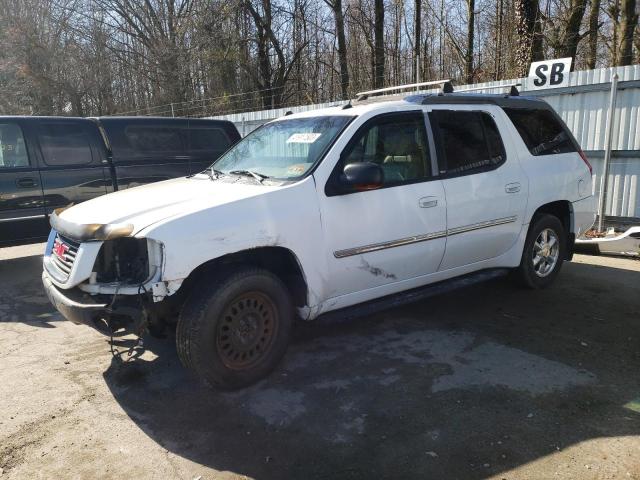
563 210
279 260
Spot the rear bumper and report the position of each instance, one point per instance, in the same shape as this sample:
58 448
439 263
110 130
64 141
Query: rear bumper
584 215
77 308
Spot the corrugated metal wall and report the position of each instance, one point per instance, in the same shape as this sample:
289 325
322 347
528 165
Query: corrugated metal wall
583 106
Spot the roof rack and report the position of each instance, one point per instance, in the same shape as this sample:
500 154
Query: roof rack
446 88
513 91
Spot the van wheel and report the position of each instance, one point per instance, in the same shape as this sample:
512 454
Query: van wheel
235 329
544 252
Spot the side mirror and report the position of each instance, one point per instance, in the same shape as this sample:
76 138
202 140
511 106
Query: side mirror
361 176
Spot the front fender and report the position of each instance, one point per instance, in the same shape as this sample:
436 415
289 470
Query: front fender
287 217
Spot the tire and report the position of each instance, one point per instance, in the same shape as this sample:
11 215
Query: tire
235 327
539 271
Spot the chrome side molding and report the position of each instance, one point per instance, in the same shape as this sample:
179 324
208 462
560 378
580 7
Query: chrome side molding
374 247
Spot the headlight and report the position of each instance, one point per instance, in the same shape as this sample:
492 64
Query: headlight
124 261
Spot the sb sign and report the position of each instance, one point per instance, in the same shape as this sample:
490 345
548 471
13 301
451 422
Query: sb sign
550 73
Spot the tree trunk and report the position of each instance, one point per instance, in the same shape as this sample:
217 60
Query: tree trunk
528 32
378 57
468 64
627 24
336 6
571 35
497 73
594 16
416 39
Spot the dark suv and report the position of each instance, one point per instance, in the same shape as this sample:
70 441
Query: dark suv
51 162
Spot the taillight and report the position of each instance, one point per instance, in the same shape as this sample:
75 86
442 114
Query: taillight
584 159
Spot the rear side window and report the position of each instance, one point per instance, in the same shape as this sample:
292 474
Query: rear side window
208 139
13 151
152 139
469 142
541 131
64 144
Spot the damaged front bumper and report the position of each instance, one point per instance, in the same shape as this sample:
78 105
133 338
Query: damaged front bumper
76 307
107 314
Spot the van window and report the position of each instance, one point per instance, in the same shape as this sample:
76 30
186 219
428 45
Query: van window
64 144
154 139
541 131
208 139
469 141
13 151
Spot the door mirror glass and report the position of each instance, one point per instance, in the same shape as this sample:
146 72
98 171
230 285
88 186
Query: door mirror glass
362 176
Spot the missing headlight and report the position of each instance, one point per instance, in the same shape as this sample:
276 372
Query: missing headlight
123 260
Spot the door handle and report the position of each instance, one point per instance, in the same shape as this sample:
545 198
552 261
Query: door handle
512 187
26 182
428 202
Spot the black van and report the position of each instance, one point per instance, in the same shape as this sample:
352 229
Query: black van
51 162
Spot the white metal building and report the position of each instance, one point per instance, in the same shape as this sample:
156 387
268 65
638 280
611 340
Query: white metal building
583 106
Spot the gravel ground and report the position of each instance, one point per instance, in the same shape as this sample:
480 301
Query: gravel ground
488 381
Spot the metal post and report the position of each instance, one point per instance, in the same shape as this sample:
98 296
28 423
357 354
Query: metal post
172 113
607 152
243 134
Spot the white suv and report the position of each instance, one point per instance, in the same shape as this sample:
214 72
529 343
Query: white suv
320 211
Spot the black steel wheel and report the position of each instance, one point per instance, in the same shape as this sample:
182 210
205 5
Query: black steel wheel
246 331
234 329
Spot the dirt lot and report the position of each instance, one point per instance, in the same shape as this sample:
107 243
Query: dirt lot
486 382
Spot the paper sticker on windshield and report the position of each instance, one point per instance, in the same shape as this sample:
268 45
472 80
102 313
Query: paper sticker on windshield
303 137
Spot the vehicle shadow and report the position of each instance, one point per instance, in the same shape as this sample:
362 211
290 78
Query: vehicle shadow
22 298
464 385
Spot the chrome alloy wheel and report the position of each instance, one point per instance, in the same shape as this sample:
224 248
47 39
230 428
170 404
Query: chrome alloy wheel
546 251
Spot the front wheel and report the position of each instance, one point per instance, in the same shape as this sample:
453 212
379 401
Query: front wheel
544 252
234 329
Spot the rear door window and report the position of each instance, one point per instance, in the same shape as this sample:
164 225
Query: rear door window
64 144
468 141
208 139
155 140
13 150
541 131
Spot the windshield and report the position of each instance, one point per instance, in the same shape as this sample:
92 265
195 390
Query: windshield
285 149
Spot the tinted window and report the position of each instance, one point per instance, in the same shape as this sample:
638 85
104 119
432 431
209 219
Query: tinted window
494 141
149 139
469 141
397 143
13 151
208 139
541 131
64 144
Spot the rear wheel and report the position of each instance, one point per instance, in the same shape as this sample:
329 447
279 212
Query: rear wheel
544 252
235 329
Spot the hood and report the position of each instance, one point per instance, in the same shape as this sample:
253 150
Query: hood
145 205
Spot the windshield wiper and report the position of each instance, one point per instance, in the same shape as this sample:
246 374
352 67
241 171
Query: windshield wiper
258 176
214 174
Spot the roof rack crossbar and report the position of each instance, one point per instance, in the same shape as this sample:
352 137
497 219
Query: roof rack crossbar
364 95
513 91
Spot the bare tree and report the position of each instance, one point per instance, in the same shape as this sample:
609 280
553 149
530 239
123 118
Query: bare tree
594 25
336 8
528 32
378 55
626 29
468 54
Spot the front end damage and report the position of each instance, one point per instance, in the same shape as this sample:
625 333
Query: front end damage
110 282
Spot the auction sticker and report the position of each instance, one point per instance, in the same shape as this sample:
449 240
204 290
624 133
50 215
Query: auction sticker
303 137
